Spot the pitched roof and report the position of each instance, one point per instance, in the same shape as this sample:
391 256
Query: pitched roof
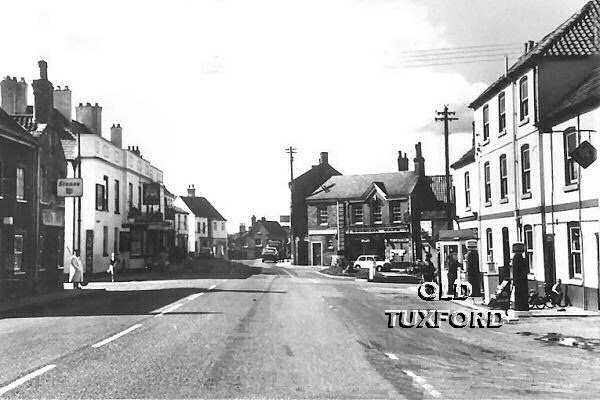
272 227
202 207
309 181
466 159
179 210
9 127
577 36
396 184
587 94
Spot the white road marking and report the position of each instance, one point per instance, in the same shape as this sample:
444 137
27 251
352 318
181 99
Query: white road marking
212 287
315 281
194 296
423 382
118 335
26 378
392 356
172 308
288 272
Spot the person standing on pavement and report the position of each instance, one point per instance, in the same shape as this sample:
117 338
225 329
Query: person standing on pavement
557 293
112 263
429 269
452 266
76 270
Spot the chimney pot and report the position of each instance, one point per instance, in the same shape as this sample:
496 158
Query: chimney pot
43 93
43 69
66 87
191 191
419 161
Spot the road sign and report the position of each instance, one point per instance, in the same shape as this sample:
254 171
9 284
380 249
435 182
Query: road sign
584 154
69 187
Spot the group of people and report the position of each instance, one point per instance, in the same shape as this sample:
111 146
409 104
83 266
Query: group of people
76 269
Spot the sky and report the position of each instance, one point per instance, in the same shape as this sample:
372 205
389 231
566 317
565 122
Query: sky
213 91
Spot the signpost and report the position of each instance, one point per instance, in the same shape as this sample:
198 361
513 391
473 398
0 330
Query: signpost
69 187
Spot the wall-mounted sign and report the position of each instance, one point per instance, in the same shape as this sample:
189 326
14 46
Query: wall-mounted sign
584 154
69 187
53 218
151 194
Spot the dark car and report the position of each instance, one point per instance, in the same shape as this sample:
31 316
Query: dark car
270 254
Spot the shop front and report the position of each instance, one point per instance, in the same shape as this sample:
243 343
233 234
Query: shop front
392 243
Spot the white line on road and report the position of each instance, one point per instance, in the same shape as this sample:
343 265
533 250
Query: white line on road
194 296
118 335
423 382
392 356
289 273
26 378
212 287
172 308
315 281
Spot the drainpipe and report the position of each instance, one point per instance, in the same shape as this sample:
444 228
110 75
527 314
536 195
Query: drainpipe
542 179
584 298
516 159
36 203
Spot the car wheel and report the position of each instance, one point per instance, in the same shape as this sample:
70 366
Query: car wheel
378 268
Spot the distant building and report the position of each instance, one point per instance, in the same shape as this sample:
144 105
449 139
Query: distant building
207 228
302 187
263 233
376 214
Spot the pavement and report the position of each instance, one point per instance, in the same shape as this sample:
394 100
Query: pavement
248 330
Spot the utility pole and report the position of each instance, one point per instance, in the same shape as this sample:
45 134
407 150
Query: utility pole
446 116
291 151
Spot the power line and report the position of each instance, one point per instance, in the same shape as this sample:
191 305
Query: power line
442 49
458 57
445 63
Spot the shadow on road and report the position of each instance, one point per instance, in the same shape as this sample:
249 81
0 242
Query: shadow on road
105 303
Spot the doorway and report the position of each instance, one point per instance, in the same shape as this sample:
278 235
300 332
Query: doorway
317 253
504 272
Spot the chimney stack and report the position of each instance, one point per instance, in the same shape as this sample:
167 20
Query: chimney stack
90 116
324 159
62 102
43 93
402 161
419 161
191 191
253 219
263 219
242 228
14 95
116 135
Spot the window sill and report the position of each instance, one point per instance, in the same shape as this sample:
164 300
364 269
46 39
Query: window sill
524 121
468 209
571 188
502 132
504 200
358 223
485 142
378 223
526 196
575 281
22 201
487 204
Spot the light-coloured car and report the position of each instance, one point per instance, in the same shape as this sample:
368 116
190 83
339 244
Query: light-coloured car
372 261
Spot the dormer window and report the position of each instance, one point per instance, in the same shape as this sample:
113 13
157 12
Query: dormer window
357 213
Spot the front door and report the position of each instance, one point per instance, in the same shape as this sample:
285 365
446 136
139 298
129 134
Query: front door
317 257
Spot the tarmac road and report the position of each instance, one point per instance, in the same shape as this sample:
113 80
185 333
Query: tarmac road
263 331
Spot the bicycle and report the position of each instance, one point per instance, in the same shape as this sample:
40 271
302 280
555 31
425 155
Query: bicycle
540 302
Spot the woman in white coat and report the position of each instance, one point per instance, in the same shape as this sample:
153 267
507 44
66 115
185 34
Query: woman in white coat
76 270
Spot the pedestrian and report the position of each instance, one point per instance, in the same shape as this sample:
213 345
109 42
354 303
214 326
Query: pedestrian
557 293
112 263
76 270
429 269
452 265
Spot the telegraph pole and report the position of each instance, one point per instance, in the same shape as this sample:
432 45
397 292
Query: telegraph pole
446 116
291 151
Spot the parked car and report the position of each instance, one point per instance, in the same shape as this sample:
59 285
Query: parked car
270 254
367 261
